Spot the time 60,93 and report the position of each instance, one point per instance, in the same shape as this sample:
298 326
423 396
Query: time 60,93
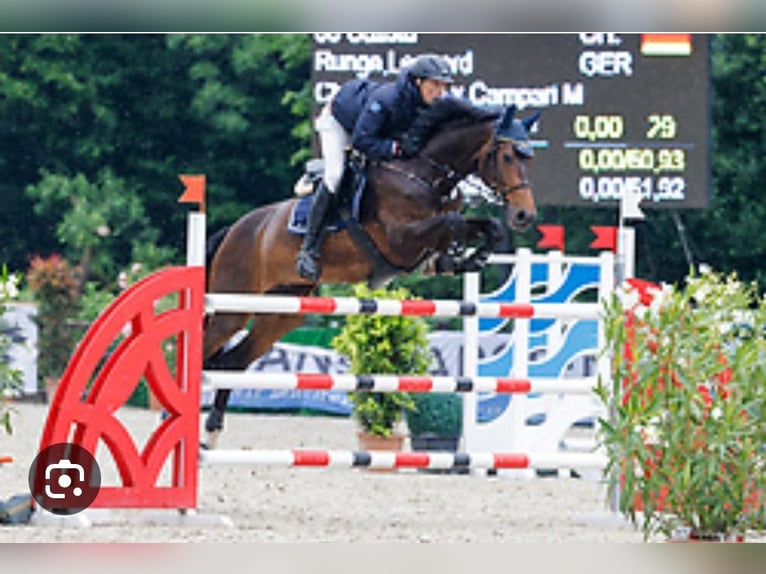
631 159
669 189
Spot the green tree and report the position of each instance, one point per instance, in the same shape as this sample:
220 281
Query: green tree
43 94
144 108
98 222
730 236
245 91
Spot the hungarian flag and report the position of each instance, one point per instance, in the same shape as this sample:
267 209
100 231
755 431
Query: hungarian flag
666 44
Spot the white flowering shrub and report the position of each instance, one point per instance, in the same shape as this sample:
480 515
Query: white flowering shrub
10 379
688 397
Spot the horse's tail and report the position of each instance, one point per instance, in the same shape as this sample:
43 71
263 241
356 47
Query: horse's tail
212 245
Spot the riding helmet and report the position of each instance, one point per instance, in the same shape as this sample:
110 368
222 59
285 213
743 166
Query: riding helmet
431 66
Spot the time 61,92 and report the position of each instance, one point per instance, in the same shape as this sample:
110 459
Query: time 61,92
612 188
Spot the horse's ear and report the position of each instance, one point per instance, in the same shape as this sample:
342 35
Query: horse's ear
531 120
505 123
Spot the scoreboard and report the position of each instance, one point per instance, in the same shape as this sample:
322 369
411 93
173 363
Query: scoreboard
620 112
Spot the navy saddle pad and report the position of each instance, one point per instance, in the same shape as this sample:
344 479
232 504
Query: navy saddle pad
300 216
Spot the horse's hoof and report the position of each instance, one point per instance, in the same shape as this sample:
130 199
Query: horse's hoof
446 264
211 440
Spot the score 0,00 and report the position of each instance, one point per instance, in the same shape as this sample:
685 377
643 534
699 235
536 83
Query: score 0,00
598 127
595 189
612 127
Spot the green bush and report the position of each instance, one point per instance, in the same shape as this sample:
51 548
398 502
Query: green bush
55 287
383 345
439 414
93 301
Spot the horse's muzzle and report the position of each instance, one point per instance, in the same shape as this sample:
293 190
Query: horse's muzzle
521 219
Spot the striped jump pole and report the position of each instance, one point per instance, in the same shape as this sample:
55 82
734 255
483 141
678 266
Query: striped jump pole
392 383
245 303
401 460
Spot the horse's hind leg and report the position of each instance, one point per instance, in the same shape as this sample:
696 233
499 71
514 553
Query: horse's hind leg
219 329
266 330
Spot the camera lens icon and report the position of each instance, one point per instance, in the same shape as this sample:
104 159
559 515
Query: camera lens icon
64 478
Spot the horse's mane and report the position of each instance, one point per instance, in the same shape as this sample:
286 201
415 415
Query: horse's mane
443 112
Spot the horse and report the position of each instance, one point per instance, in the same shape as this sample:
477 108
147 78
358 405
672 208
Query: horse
410 212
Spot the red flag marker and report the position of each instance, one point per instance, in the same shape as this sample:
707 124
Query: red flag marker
195 190
606 237
553 237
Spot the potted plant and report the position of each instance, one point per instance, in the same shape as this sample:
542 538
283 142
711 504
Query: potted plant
377 344
436 423
55 288
687 399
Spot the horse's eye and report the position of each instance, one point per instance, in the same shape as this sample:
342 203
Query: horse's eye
508 158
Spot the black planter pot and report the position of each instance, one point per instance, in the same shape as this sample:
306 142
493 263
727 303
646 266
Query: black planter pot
435 443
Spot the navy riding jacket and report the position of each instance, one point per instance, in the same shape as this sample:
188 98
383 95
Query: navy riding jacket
376 114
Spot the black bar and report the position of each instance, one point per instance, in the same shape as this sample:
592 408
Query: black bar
368 306
462 460
467 309
362 458
365 383
464 385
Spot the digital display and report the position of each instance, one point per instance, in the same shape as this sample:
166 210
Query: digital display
619 111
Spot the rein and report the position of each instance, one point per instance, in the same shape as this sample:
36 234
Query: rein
448 175
452 178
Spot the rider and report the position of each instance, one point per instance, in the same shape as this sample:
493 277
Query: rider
369 116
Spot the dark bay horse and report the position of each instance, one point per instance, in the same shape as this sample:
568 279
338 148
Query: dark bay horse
410 211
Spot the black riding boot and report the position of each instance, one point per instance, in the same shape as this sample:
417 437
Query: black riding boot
306 263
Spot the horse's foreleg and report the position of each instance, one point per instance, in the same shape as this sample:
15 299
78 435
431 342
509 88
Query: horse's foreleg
435 233
488 231
447 234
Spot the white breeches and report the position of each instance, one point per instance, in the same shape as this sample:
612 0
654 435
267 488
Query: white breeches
333 141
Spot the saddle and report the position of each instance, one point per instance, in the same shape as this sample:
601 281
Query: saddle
345 215
350 195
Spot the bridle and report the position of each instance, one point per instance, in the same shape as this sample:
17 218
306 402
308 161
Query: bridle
450 177
492 158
